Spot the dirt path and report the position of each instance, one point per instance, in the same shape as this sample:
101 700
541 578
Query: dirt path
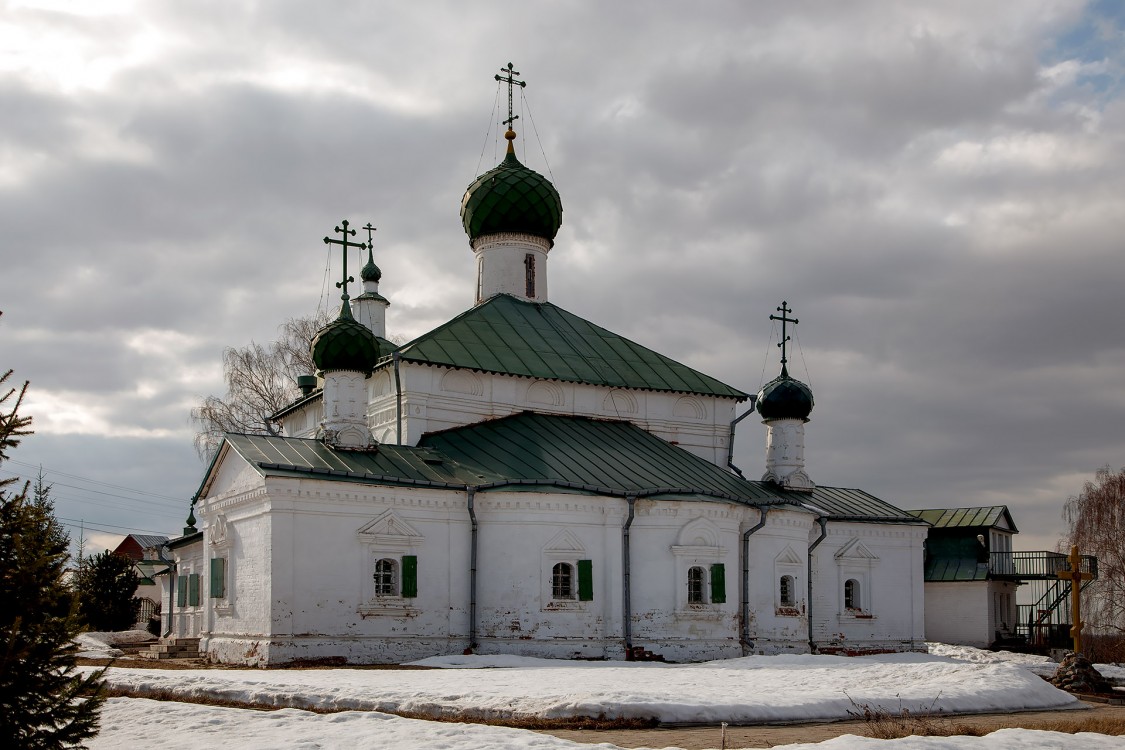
703 738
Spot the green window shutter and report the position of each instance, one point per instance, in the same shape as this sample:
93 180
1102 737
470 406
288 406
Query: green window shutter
585 580
409 576
218 577
181 591
718 583
193 590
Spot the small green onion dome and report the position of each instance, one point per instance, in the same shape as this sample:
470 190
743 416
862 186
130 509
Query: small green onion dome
511 198
784 398
345 344
370 271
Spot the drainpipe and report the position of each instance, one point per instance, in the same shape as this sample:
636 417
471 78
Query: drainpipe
730 437
396 356
744 596
470 493
823 521
626 603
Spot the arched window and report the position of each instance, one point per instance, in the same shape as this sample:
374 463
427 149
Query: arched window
786 591
852 594
562 581
695 579
386 577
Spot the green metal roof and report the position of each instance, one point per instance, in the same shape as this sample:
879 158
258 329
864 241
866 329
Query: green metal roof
946 569
582 451
983 517
275 456
530 450
539 340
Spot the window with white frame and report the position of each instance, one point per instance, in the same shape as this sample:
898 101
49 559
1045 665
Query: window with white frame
856 564
390 564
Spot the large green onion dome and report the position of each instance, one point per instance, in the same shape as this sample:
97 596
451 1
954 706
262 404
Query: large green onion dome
784 398
345 344
511 198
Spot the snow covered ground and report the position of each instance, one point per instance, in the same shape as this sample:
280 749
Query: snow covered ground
747 690
133 722
752 689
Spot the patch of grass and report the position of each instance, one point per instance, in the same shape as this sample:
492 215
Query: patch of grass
885 725
1100 724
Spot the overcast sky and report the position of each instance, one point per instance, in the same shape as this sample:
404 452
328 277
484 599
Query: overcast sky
937 189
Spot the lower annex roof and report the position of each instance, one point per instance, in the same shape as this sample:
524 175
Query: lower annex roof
530 449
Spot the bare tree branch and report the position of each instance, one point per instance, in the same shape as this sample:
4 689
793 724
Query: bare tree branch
260 380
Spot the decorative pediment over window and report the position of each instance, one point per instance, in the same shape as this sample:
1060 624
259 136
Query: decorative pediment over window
788 557
390 531
856 551
218 532
565 543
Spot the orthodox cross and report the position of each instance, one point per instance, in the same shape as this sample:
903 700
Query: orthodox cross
345 244
784 309
370 240
510 79
1075 575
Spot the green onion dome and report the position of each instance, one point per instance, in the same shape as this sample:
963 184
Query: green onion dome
784 398
511 198
345 344
370 271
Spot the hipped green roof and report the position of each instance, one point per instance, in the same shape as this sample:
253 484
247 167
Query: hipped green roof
540 340
553 453
984 517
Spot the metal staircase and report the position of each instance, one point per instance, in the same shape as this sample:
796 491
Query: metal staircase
1047 621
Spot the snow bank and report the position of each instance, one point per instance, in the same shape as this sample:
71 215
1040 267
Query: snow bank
752 689
129 722
1040 665
100 645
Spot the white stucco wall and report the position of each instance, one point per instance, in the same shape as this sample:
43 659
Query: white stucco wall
887 562
965 612
437 398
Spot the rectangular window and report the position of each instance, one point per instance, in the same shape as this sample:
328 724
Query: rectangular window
181 591
193 590
695 585
409 576
529 274
218 577
585 580
718 583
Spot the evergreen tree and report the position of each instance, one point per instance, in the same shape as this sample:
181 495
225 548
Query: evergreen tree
105 584
43 703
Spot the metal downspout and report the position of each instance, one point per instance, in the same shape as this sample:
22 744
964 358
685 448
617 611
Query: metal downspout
730 437
744 596
626 600
398 399
470 493
823 521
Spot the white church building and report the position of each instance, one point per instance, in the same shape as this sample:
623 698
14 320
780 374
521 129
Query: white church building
520 480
